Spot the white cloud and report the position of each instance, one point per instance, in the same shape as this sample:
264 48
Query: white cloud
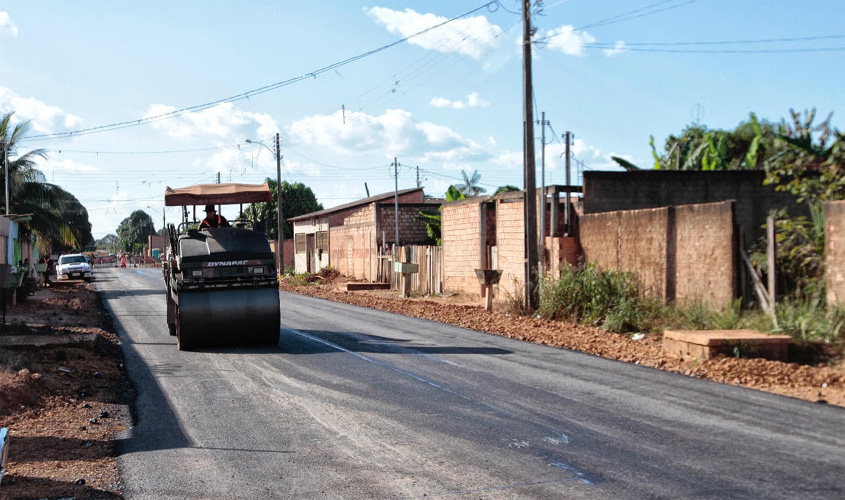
391 134
68 166
509 159
7 26
472 101
471 36
43 118
567 40
223 121
618 48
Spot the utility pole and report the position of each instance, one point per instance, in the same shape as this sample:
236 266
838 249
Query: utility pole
418 177
280 219
396 198
566 213
6 170
531 298
218 177
542 242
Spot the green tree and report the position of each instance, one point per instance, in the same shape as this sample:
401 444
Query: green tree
506 189
470 187
30 193
811 163
134 230
297 199
109 243
76 216
433 219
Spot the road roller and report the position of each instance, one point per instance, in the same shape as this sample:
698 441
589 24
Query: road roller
221 282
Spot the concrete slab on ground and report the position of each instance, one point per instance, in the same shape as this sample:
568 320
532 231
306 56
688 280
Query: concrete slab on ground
71 339
350 287
705 344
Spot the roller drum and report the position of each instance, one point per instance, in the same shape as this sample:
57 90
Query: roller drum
245 315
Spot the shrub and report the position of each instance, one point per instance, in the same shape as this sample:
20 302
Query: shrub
585 294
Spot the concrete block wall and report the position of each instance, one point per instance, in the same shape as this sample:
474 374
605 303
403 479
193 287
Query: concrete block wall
679 254
706 255
835 251
461 237
600 240
643 247
614 191
510 245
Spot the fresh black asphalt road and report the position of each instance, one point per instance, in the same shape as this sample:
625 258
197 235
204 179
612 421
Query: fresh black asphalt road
356 403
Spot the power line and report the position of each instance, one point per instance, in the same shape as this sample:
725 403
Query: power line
238 145
627 16
725 51
249 93
728 42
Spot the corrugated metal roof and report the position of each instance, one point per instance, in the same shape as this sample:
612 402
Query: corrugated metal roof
365 201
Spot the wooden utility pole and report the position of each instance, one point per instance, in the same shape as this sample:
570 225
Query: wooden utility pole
396 198
566 213
531 297
542 243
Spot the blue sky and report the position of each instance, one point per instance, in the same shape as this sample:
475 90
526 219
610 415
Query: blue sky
612 72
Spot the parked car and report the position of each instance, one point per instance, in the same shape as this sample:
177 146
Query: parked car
73 266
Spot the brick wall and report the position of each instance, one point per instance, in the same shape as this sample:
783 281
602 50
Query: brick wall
510 245
706 263
562 251
835 251
353 243
411 231
461 237
614 191
644 242
680 253
599 239
354 250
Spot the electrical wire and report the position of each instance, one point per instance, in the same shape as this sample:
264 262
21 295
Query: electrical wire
627 16
131 153
250 93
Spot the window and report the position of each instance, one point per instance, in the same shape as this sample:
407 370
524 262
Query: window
299 242
323 241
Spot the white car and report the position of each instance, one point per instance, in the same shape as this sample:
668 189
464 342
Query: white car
73 266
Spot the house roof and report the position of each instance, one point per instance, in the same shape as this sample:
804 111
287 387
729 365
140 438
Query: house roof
365 201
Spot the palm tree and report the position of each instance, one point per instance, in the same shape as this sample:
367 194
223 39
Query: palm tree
29 193
470 186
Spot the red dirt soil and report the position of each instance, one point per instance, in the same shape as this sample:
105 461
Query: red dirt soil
823 383
62 404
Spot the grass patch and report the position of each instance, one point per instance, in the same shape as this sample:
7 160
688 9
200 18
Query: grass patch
609 299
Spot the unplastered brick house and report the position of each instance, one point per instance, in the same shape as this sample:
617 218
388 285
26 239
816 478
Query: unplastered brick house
351 237
488 232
